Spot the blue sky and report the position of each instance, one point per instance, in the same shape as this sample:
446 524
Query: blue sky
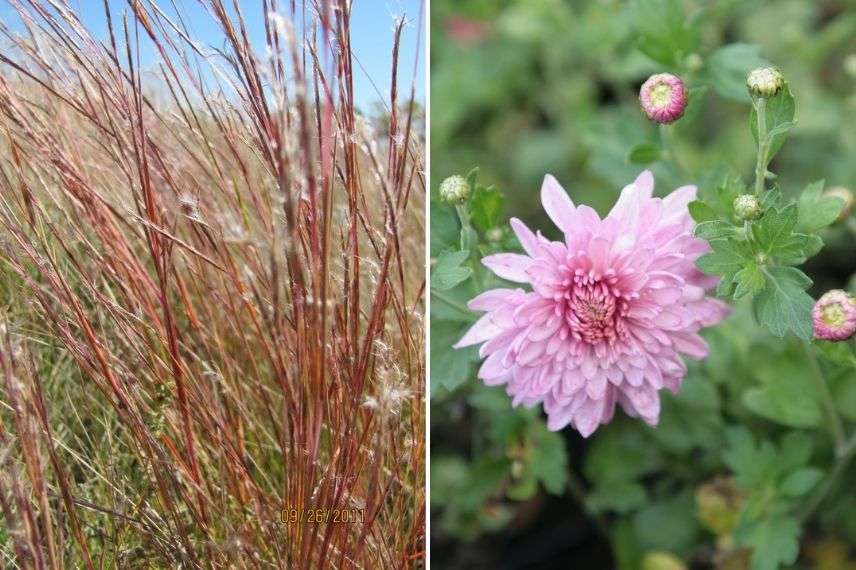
371 37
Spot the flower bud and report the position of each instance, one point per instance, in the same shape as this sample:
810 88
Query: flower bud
846 196
834 316
454 190
765 82
663 98
747 207
662 560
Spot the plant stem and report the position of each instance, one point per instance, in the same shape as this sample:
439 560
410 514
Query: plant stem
667 141
467 229
836 425
842 460
578 492
763 146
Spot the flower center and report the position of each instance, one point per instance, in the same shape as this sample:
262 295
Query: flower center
661 95
594 311
833 315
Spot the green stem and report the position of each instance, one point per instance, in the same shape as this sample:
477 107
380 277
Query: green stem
763 146
467 229
463 215
667 141
836 425
842 460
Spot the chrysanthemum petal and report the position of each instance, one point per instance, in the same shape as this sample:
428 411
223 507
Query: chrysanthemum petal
527 239
557 203
511 266
484 329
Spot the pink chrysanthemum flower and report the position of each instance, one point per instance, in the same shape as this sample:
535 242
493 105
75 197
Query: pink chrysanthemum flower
612 310
663 98
834 316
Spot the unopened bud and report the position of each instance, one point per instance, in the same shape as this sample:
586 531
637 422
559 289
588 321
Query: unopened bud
454 190
846 196
747 207
765 82
834 316
663 98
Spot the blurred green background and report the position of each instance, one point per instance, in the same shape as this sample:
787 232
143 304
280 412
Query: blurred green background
523 88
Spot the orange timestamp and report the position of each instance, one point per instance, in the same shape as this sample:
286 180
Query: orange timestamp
322 516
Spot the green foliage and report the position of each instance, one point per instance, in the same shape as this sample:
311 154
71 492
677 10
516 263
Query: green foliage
664 34
524 455
487 208
754 259
773 542
779 120
816 212
644 153
448 272
784 305
728 66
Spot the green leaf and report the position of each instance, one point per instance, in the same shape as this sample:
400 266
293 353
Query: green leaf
797 248
445 228
750 281
795 447
486 208
618 496
772 199
843 388
663 32
785 396
621 454
837 352
815 211
668 524
448 272
751 463
801 482
727 257
549 460
774 229
644 153
784 305
774 541
490 399
449 367
702 212
714 229
779 111
485 477
729 66
691 418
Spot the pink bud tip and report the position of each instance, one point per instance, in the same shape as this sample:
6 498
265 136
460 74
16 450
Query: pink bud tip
663 98
834 316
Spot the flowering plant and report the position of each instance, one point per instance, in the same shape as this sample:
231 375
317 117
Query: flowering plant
538 336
